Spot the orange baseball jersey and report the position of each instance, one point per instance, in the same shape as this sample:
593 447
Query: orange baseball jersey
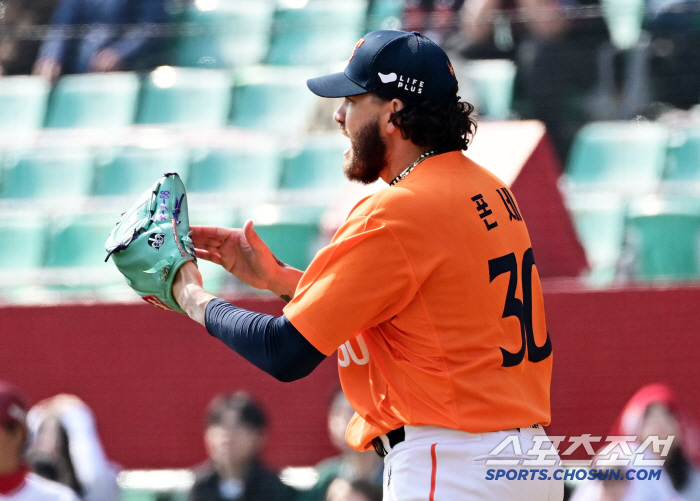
430 293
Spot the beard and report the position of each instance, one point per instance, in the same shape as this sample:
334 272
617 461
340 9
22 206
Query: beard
367 155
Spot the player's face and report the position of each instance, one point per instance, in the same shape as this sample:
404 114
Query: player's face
359 121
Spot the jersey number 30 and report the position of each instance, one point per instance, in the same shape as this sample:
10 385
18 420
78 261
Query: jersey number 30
514 307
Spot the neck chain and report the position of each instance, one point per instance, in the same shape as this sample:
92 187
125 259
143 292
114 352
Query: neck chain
408 169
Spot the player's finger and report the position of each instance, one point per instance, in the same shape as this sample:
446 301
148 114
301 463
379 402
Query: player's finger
207 243
214 236
252 238
208 256
214 232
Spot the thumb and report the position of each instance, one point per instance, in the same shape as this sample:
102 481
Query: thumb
250 241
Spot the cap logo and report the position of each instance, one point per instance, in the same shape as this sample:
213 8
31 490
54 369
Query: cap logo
357 46
452 71
404 84
391 77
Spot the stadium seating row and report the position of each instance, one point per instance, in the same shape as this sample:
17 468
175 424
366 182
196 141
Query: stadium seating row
250 171
632 191
235 33
262 97
65 254
632 157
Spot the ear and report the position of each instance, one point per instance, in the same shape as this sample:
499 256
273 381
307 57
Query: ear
392 107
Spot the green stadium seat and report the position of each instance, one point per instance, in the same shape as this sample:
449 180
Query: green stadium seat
317 164
624 19
492 80
248 171
599 220
102 100
40 173
384 15
131 170
185 96
320 32
22 103
292 233
275 99
24 241
79 240
683 158
225 34
623 156
665 237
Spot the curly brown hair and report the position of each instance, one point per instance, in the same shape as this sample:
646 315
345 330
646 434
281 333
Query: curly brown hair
441 127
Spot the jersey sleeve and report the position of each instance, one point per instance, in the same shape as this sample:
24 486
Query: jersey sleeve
363 278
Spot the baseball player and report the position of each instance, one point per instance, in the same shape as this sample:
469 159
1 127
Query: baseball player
16 482
429 291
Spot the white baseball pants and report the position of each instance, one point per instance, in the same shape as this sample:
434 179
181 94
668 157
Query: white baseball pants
440 464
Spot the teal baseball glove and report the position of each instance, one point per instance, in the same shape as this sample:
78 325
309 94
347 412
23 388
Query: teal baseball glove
152 240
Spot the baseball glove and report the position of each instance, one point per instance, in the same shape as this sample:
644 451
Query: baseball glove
152 240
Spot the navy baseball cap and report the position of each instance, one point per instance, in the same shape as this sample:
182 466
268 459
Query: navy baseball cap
393 63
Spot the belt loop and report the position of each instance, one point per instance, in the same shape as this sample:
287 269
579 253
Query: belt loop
379 447
394 437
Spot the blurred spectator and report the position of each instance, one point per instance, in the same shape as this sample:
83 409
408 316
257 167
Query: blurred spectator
16 482
436 19
556 56
234 435
351 465
101 35
20 21
654 411
674 26
65 447
359 490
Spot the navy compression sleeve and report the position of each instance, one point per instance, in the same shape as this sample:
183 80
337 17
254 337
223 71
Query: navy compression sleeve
270 343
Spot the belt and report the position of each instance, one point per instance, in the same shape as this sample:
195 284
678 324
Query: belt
395 438
398 435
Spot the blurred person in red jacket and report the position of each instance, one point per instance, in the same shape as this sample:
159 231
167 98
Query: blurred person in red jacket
653 411
17 483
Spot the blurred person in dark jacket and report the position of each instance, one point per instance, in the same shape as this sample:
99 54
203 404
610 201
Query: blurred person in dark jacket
101 36
234 435
21 24
351 465
556 55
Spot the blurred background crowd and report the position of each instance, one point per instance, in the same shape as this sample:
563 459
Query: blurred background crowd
57 439
98 98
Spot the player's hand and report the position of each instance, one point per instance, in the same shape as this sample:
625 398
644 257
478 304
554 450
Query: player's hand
47 68
240 251
106 60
